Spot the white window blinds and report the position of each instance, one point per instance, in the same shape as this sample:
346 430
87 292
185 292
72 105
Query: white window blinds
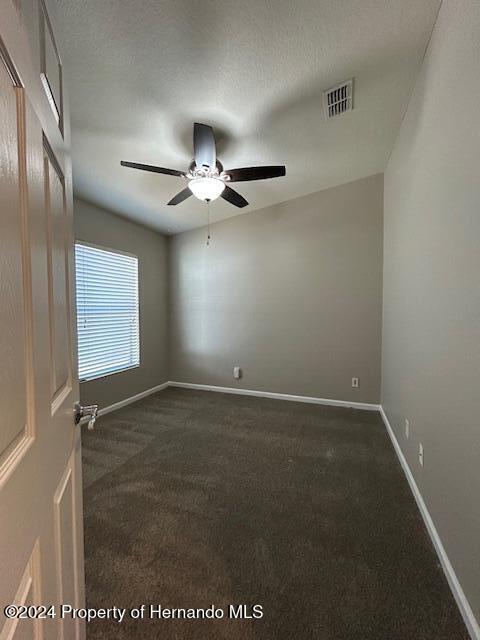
107 311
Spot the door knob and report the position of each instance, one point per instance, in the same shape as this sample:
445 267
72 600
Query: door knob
89 411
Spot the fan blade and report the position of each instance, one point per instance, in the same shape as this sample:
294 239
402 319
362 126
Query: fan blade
204 146
180 197
255 173
233 197
153 169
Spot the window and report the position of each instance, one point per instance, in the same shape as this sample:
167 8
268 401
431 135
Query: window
107 311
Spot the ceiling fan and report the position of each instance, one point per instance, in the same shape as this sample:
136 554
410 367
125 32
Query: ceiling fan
207 180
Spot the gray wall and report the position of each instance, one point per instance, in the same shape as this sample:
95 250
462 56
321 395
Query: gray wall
431 330
101 227
291 293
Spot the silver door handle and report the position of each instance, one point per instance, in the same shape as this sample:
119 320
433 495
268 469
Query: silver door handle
89 411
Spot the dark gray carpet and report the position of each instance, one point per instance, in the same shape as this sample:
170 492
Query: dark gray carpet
197 498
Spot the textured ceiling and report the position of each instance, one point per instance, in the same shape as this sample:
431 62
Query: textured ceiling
140 73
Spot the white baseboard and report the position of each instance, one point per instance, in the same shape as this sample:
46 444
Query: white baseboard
458 593
276 396
138 396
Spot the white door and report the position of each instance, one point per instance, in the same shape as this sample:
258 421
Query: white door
41 536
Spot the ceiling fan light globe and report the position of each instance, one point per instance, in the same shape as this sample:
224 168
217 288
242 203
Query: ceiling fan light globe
206 188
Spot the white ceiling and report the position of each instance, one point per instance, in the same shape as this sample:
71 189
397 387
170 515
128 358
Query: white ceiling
140 73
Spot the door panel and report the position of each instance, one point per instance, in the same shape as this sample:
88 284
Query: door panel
59 303
13 351
51 66
41 533
27 594
65 543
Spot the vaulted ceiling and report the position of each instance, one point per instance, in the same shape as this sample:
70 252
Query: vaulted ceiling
140 73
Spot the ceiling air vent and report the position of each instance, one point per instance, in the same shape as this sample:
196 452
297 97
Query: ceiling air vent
338 99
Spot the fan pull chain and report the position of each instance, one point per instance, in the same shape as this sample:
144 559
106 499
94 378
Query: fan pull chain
208 223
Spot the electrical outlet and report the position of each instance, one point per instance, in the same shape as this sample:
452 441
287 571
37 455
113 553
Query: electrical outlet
237 373
420 454
407 428
355 383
